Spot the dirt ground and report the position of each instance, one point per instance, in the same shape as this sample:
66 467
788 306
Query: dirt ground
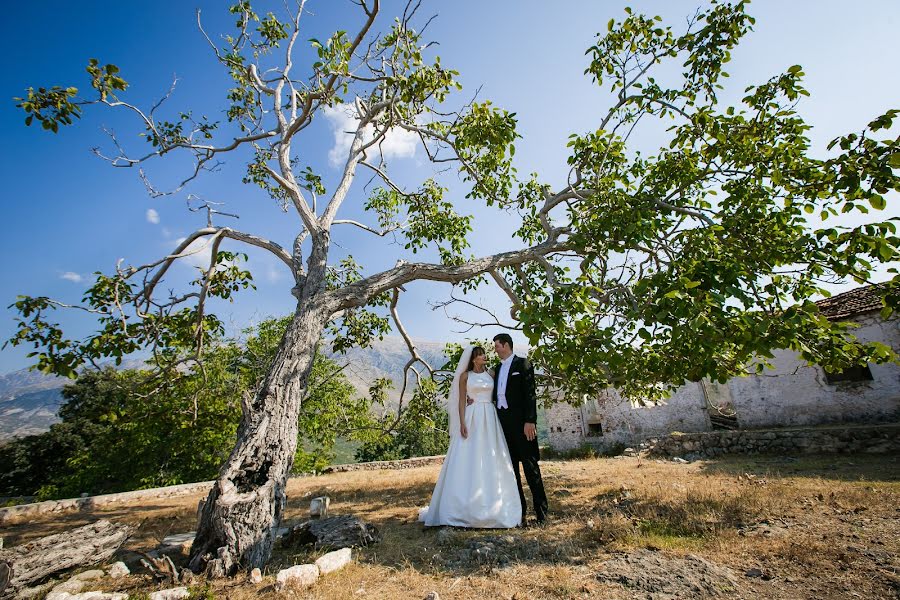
739 527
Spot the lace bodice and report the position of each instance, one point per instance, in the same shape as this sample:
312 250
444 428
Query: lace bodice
480 386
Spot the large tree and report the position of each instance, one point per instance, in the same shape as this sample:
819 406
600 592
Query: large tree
639 270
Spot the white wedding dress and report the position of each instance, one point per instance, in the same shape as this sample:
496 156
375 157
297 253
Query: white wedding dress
477 486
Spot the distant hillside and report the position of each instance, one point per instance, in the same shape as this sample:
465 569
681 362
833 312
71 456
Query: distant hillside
30 401
386 359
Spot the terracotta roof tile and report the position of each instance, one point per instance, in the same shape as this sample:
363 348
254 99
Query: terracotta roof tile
861 300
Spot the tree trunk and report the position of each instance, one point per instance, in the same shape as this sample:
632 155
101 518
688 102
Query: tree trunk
241 515
34 561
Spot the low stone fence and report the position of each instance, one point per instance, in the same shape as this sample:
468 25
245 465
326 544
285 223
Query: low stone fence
75 504
406 463
871 439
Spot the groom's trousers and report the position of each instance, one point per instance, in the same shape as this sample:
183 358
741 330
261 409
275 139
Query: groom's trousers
527 453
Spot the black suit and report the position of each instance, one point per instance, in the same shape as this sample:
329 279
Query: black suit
521 398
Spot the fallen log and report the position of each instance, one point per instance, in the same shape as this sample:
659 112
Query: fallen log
34 561
344 531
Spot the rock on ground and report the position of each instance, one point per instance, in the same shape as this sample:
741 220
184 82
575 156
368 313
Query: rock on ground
256 576
179 543
70 587
344 531
318 507
87 596
88 575
299 575
117 570
171 594
334 560
656 576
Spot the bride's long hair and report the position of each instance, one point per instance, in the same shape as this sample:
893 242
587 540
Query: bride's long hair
476 351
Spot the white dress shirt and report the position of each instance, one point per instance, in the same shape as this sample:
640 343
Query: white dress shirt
502 376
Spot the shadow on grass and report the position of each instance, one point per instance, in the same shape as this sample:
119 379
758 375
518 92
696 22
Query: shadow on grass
407 544
839 467
149 521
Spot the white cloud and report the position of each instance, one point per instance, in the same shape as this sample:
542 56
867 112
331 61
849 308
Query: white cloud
198 253
71 276
398 143
152 216
274 273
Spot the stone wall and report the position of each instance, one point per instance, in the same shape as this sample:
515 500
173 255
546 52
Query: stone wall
791 395
406 463
794 394
618 423
565 427
871 439
90 502
173 491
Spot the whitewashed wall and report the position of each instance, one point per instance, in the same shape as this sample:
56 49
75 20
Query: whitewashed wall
789 395
794 394
623 423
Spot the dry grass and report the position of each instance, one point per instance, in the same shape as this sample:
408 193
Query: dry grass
819 527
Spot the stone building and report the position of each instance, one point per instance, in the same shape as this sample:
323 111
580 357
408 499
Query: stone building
791 394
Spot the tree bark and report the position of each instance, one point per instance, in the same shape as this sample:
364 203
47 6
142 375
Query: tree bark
241 515
34 561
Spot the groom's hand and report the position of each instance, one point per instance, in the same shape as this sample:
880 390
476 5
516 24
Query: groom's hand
530 432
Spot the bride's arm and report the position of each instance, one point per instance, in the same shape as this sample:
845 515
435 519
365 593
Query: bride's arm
461 405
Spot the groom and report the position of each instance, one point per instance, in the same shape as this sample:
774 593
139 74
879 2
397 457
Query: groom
515 397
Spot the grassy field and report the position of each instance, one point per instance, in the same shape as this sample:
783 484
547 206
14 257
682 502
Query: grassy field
758 527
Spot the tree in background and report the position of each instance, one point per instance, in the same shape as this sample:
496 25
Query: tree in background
125 429
120 431
640 270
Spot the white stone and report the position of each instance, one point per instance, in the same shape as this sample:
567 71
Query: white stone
72 586
180 542
86 596
89 575
334 560
318 507
118 570
255 576
300 575
171 594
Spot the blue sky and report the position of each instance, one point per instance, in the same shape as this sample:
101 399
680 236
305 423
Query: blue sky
68 214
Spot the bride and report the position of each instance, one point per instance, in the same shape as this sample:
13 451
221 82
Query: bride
477 486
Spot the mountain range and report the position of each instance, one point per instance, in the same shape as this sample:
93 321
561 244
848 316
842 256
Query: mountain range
30 401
